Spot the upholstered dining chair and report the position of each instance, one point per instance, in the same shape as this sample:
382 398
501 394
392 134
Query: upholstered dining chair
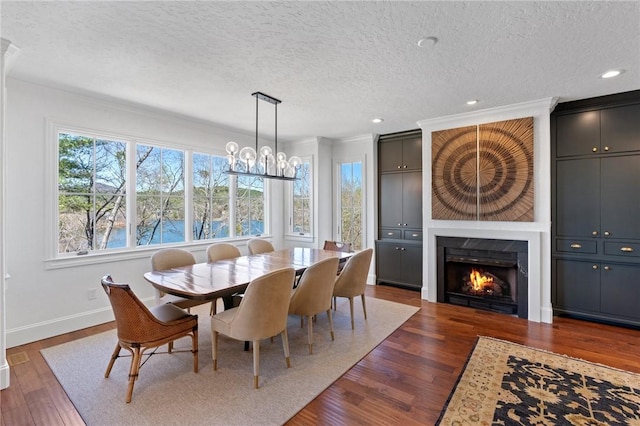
221 251
353 279
173 258
262 314
140 328
313 294
258 245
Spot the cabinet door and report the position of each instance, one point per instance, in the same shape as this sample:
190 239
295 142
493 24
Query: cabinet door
411 199
578 197
412 265
412 153
620 205
578 285
621 129
578 134
391 200
388 259
390 156
620 290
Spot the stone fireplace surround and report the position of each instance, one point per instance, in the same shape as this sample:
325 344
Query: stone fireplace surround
537 234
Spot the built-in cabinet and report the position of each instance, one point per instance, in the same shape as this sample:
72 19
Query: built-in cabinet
596 208
399 244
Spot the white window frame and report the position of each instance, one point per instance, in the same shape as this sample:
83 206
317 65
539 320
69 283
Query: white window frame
289 233
337 174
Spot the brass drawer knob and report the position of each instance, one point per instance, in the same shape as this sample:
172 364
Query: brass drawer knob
389 233
606 148
607 233
576 246
626 249
594 149
594 233
595 266
607 268
417 235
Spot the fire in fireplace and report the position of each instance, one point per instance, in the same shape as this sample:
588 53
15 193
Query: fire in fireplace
483 274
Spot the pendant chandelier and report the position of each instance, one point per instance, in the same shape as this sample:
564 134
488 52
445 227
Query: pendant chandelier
264 162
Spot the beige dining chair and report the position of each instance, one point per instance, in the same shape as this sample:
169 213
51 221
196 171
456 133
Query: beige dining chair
313 294
352 280
258 245
262 314
174 258
140 328
221 251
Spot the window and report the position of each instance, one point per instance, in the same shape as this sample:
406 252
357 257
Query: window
300 205
91 189
210 197
249 218
115 194
350 201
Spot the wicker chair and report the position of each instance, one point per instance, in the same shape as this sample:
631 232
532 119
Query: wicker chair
353 279
174 258
140 328
262 314
258 245
221 251
313 294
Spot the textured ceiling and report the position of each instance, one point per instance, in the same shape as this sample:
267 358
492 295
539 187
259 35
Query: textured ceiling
335 65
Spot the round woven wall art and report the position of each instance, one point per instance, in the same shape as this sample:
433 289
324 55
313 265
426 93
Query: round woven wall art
484 172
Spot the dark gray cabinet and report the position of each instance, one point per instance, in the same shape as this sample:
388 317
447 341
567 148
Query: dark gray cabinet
596 208
399 245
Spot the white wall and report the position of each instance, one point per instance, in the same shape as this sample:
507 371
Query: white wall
45 298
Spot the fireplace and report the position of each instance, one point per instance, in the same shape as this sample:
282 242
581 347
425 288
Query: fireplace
483 274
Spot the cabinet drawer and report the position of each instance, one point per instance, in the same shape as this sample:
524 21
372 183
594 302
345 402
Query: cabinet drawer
390 234
576 246
622 249
413 235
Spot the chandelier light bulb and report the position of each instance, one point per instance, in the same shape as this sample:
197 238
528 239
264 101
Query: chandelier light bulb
295 161
281 156
231 147
265 151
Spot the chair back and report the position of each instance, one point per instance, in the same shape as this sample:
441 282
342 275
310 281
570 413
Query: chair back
258 245
221 251
315 288
171 258
264 308
134 321
352 280
337 246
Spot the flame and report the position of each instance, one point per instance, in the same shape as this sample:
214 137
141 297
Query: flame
479 281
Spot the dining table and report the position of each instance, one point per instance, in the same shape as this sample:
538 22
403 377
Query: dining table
224 278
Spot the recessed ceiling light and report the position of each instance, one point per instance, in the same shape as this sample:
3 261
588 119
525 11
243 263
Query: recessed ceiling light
377 120
612 73
472 102
427 42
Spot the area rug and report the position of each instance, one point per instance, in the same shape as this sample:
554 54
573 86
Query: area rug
505 383
168 392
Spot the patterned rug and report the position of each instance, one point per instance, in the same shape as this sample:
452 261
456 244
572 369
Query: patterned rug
505 383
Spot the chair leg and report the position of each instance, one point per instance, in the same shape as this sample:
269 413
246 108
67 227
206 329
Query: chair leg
310 333
335 303
194 349
133 371
170 347
116 352
364 307
351 308
256 364
214 349
285 347
301 321
331 324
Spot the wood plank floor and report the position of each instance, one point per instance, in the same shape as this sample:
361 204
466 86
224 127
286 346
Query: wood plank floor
406 380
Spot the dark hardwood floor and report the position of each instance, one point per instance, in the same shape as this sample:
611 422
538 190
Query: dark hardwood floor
405 380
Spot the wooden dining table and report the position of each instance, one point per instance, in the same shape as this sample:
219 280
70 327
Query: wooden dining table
224 278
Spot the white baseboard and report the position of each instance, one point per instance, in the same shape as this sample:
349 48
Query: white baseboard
4 375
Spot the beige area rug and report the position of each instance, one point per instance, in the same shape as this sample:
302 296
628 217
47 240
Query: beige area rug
169 392
505 383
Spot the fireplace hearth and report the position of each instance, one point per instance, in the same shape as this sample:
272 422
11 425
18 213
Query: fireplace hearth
483 274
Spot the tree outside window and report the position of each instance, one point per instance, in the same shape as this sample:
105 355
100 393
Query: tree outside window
249 206
210 197
301 205
351 204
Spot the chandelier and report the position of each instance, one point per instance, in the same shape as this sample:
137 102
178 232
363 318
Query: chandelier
263 162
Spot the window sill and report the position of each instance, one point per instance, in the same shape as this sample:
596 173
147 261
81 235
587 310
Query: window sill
301 238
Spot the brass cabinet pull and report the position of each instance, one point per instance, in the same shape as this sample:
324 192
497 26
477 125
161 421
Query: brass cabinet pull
399 167
606 148
594 149
402 248
607 233
607 268
389 233
404 167
595 266
594 233
417 235
576 245
626 249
